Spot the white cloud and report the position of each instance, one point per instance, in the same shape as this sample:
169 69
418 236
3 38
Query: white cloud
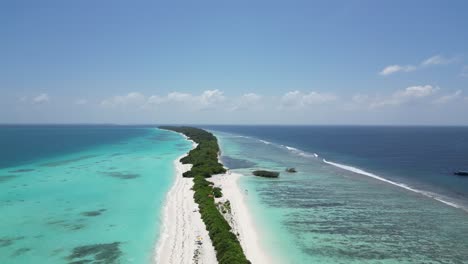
438 60
211 97
432 61
41 99
178 97
416 91
206 99
404 96
318 98
397 68
296 99
155 99
246 101
251 97
448 98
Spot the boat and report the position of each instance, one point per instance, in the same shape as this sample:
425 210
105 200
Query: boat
461 173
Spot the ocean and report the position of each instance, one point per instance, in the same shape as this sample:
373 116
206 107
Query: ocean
361 194
83 193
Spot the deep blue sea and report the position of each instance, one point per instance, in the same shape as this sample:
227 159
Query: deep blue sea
422 157
361 194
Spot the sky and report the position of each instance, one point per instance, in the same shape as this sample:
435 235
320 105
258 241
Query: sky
234 62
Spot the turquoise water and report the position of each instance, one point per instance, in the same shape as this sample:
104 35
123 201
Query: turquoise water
324 214
101 202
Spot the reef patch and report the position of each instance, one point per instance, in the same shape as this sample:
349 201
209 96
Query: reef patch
21 170
65 162
93 213
121 175
7 178
96 253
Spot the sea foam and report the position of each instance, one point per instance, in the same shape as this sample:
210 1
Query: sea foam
402 185
365 173
300 152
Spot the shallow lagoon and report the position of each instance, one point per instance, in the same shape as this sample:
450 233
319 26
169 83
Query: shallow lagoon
99 203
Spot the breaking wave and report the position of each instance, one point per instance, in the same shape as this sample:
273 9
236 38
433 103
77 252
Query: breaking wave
401 185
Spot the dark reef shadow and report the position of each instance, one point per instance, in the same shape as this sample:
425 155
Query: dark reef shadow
121 175
21 170
96 253
64 162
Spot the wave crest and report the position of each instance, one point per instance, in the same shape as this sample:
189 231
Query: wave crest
401 185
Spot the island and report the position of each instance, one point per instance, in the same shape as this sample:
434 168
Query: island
204 159
266 174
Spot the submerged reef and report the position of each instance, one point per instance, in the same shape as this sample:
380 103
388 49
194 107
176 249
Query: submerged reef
21 170
69 225
20 251
93 213
64 162
121 175
96 253
7 178
8 241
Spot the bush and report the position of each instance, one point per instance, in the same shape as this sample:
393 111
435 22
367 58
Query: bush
267 174
217 192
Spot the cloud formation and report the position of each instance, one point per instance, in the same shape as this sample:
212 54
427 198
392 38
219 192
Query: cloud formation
205 100
448 97
295 106
400 97
438 60
292 100
298 99
397 68
432 61
248 101
41 99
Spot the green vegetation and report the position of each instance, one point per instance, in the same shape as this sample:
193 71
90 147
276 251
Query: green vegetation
217 192
266 174
205 163
205 156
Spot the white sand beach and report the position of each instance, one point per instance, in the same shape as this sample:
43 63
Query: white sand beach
184 237
241 220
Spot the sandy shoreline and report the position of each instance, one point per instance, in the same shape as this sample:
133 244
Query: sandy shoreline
240 219
182 226
183 229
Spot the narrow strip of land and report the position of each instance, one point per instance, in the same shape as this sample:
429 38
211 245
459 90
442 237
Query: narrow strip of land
204 159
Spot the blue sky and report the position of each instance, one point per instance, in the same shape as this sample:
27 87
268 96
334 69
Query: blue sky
243 62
